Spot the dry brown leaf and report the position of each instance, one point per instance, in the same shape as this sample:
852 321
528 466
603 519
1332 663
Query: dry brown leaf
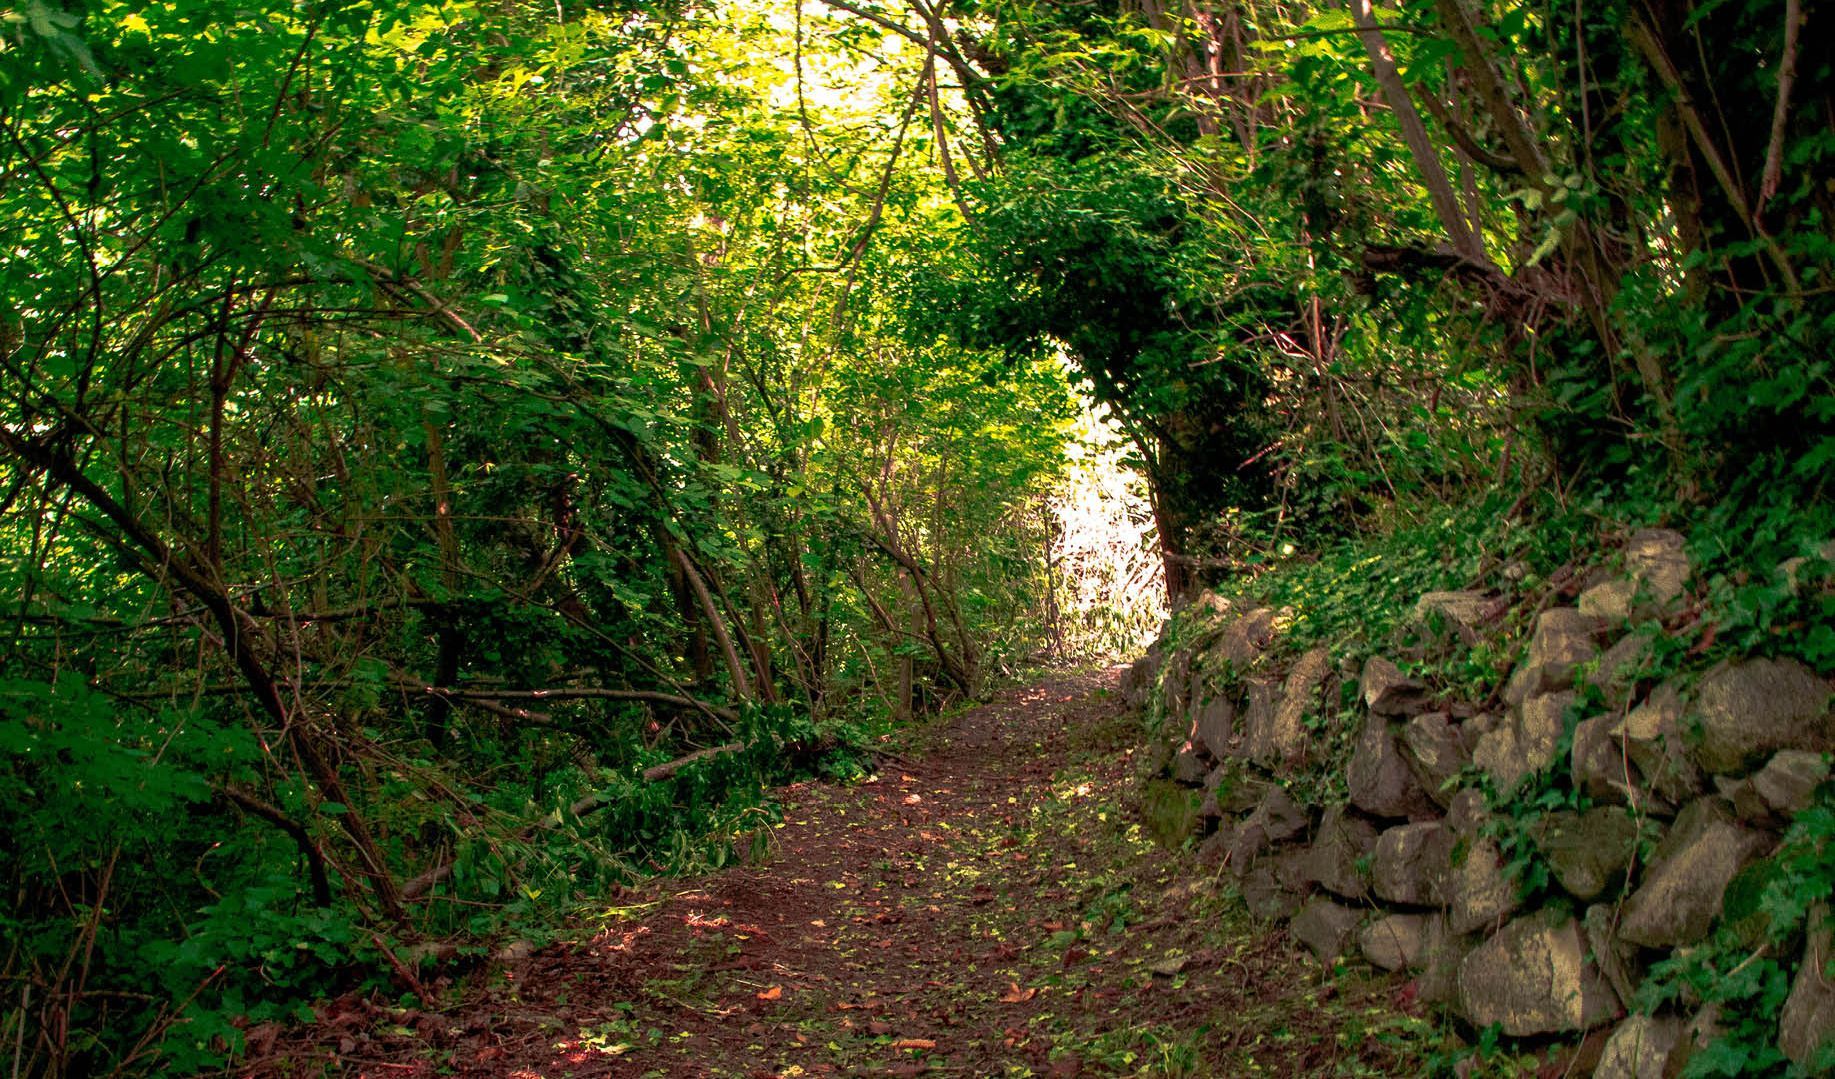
1016 995
772 993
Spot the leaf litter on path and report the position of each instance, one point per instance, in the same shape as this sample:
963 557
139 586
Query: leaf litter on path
1009 920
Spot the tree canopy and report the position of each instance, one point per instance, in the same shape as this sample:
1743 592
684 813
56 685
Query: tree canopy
451 454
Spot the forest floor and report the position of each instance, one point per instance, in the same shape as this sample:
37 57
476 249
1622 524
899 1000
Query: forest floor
989 905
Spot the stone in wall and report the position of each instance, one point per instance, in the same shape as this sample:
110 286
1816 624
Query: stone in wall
1409 864
1265 745
1589 852
1620 668
1216 725
1324 927
1808 1018
1479 894
1478 891
1563 640
1380 781
1386 691
1302 693
1338 859
1779 791
1687 879
1621 963
1438 981
1639 1048
1139 679
1228 791
1596 762
1534 977
1464 613
1175 686
1244 640
1656 572
1215 848
1275 887
1744 712
1436 752
1276 819
1189 766
1401 941
1652 741
1511 752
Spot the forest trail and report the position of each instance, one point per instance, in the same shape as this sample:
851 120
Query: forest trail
989 905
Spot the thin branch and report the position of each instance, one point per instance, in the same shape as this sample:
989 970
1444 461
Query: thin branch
1780 116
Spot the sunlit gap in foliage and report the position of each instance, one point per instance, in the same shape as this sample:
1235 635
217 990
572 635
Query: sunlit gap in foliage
1107 591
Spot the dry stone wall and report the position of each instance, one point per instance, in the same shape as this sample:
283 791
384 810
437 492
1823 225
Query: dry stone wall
1383 845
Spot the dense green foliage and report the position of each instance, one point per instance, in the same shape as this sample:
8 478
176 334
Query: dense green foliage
418 420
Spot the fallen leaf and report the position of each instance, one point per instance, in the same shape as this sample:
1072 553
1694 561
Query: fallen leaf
912 799
772 993
1016 995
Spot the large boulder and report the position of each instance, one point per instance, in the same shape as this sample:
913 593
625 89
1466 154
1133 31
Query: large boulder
1410 862
1529 743
1324 927
1386 691
1339 857
1589 852
1808 1019
1744 712
1687 879
1436 753
1639 1048
1401 941
1534 977
1380 781
1563 640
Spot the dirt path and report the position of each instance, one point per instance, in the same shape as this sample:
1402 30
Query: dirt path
988 908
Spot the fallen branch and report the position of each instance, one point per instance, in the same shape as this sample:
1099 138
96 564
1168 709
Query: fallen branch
567 693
